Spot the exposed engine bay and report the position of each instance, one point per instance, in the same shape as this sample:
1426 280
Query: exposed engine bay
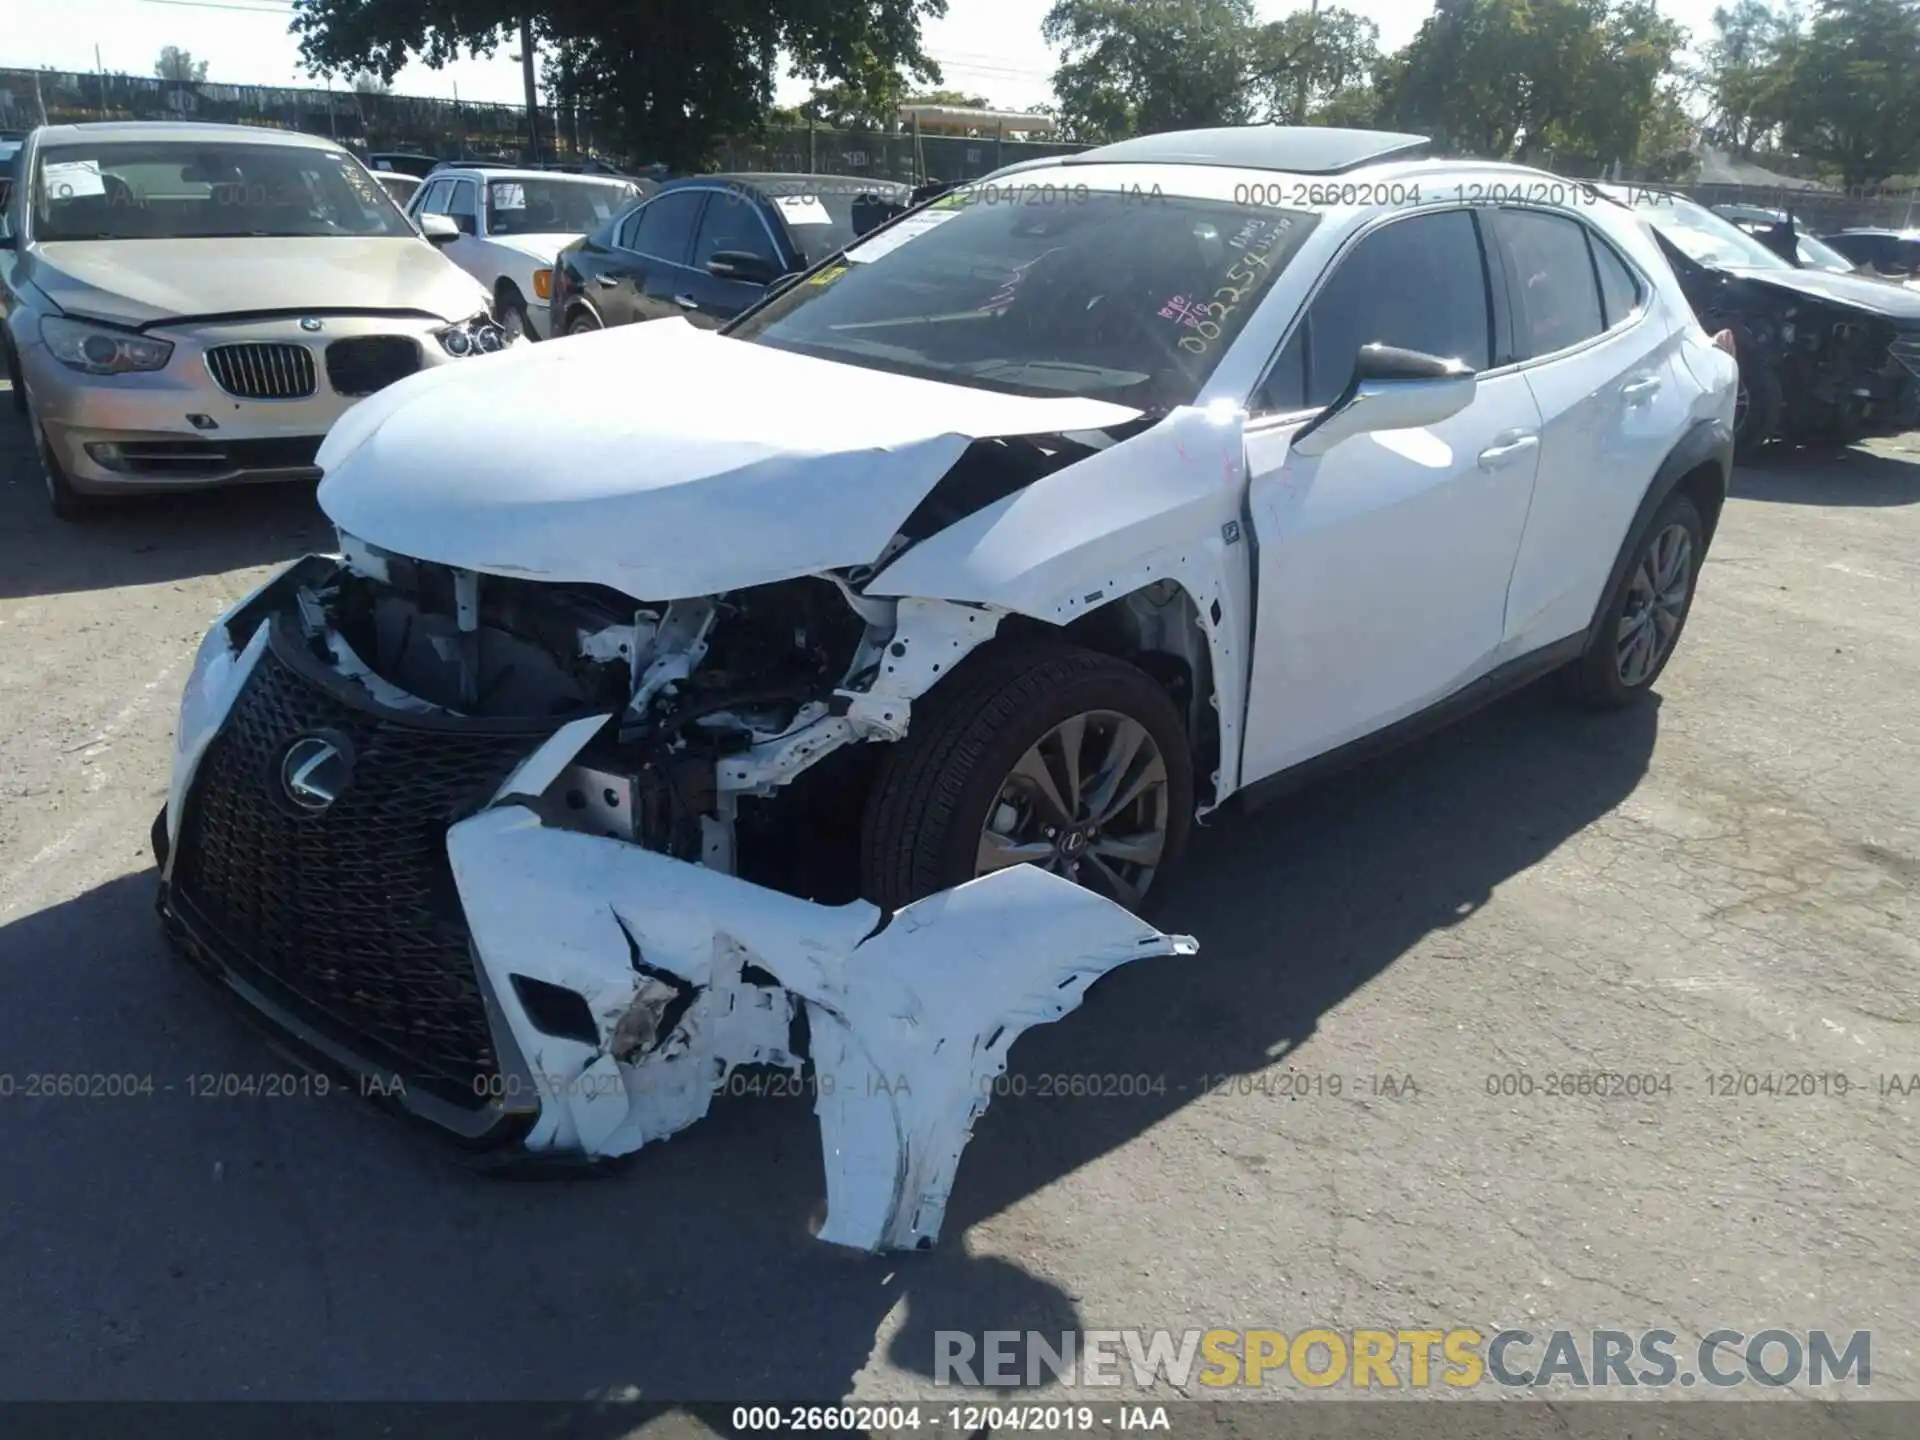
691 684
649 820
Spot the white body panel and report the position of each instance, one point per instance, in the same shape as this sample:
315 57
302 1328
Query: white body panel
911 1023
724 494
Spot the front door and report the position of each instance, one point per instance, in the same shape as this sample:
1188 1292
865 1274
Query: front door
1383 564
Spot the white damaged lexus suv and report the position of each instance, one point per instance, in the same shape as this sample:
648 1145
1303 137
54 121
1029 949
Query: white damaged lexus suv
834 689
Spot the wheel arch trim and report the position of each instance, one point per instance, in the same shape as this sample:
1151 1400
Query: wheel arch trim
1702 462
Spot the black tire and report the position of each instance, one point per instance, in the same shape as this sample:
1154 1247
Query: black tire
513 313
66 502
1757 425
583 322
1599 679
932 794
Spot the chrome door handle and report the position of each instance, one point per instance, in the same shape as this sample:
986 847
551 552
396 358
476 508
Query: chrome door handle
686 302
1641 391
608 281
1506 451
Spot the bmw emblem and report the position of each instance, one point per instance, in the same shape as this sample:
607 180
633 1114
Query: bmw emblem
310 324
315 770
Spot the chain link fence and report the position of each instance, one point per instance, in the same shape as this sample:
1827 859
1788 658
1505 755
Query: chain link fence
458 130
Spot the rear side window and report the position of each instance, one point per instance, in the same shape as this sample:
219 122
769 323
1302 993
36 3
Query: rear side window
665 227
1552 281
1620 290
732 222
1419 283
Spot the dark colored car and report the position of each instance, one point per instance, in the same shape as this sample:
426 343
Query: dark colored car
1891 252
708 246
1824 357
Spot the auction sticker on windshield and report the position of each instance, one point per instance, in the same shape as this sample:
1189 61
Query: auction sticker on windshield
898 234
803 209
69 179
509 197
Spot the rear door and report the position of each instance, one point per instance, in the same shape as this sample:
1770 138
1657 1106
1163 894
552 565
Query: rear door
1600 363
659 249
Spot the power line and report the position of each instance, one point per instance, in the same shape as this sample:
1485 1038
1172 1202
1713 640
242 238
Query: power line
279 11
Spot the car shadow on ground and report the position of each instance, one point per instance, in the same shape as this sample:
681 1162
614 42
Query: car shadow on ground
144 540
1812 476
176 1245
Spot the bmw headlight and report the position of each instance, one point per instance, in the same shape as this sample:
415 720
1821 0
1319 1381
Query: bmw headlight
481 335
99 350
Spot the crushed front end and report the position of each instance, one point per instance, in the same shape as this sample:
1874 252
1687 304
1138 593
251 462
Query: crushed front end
543 865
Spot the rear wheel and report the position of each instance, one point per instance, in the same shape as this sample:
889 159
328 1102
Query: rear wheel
1039 753
1646 613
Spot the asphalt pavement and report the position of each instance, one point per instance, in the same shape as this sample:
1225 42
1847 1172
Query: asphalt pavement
1324 1124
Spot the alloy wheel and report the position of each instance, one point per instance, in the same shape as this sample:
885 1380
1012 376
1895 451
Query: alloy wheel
1087 801
1742 403
1656 604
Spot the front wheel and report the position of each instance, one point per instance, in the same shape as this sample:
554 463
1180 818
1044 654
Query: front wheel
584 322
1646 613
514 318
1038 753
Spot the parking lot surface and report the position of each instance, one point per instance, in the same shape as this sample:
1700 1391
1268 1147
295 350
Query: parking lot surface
1343 1113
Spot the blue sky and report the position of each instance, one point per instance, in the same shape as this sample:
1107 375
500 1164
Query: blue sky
989 47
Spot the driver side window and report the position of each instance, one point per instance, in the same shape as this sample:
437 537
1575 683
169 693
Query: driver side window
1419 284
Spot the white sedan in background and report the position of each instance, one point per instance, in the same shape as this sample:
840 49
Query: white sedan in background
512 224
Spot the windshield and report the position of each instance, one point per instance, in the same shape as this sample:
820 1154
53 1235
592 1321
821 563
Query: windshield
201 189
549 205
819 211
1125 297
1818 255
1703 236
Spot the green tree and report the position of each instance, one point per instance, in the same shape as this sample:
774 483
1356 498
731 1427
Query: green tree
1526 79
959 99
1315 66
1852 98
177 64
1749 67
1132 67
671 78
365 82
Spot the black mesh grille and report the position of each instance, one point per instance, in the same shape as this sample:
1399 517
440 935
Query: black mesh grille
263 372
370 362
352 912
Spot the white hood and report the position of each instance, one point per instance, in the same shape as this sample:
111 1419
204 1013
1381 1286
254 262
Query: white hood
659 459
543 247
145 282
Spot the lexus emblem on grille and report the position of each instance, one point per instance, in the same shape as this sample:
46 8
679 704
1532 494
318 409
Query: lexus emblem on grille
314 770
310 324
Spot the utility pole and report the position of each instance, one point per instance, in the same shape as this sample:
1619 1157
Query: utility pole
1306 64
533 90
100 66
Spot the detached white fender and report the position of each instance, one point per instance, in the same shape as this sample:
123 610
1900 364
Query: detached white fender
1168 503
911 1018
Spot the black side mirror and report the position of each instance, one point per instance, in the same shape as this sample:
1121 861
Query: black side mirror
1391 389
743 265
